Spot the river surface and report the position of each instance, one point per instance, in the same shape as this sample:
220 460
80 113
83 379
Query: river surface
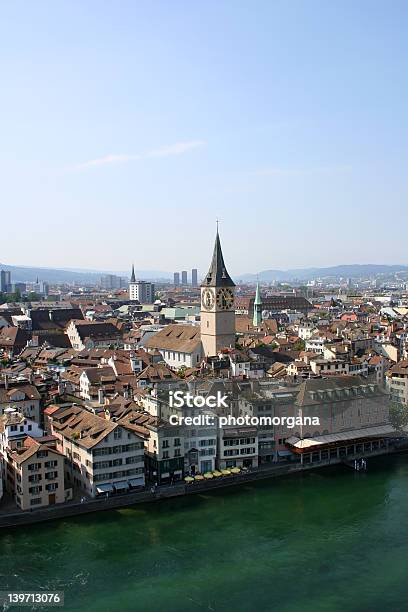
331 540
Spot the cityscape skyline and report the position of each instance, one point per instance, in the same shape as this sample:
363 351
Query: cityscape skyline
204 305
28 273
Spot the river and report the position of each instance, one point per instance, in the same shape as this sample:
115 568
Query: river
331 540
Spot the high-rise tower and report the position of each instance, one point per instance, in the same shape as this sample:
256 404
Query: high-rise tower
217 305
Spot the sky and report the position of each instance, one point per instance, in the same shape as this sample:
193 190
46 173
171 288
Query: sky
127 128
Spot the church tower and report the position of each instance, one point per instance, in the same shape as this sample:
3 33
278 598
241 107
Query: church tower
257 320
132 283
217 306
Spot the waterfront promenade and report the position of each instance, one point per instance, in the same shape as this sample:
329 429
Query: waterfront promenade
10 519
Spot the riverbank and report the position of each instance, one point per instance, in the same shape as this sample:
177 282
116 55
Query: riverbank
319 541
16 519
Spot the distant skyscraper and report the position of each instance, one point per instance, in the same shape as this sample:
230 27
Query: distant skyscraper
176 281
184 277
194 282
111 281
5 281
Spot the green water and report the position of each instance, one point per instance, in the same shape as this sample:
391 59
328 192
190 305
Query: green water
332 540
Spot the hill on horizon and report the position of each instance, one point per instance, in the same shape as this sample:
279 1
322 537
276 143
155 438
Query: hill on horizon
347 271
71 275
29 274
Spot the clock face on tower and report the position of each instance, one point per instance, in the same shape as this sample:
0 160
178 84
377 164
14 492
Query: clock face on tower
225 299
207 299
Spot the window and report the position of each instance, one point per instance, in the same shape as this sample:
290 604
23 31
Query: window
135 459
35 490
117 434
35 501
165 444
53 486
165 454
177 442
177 452
51 475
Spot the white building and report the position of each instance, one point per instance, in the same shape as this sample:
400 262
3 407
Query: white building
101 456
141 291
22 397
179 345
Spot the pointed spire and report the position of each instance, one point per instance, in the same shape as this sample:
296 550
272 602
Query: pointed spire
133 277
257 295
257 320
217 275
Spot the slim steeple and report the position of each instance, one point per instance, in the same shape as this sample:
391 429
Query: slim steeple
133 277
257 320
217 275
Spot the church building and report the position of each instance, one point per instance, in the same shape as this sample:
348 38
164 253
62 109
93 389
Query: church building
183 345
217 306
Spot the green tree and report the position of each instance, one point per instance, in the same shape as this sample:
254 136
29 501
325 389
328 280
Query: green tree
181 372
399 417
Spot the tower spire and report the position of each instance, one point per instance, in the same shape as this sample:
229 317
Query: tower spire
257 320
217 275
133 277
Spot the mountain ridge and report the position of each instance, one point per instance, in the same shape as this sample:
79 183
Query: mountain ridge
70 275
343 270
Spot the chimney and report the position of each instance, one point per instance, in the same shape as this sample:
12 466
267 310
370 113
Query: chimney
6 382
101 399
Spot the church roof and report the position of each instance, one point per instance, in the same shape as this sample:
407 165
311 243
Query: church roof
176 337
217 275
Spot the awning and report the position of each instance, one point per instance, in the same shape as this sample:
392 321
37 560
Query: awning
121 485
135 482
284 453
344 436
104 488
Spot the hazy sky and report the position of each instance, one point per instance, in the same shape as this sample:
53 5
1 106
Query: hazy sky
128 127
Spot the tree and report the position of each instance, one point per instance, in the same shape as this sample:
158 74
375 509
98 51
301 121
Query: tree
181 372
300 345
399 417
32 297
